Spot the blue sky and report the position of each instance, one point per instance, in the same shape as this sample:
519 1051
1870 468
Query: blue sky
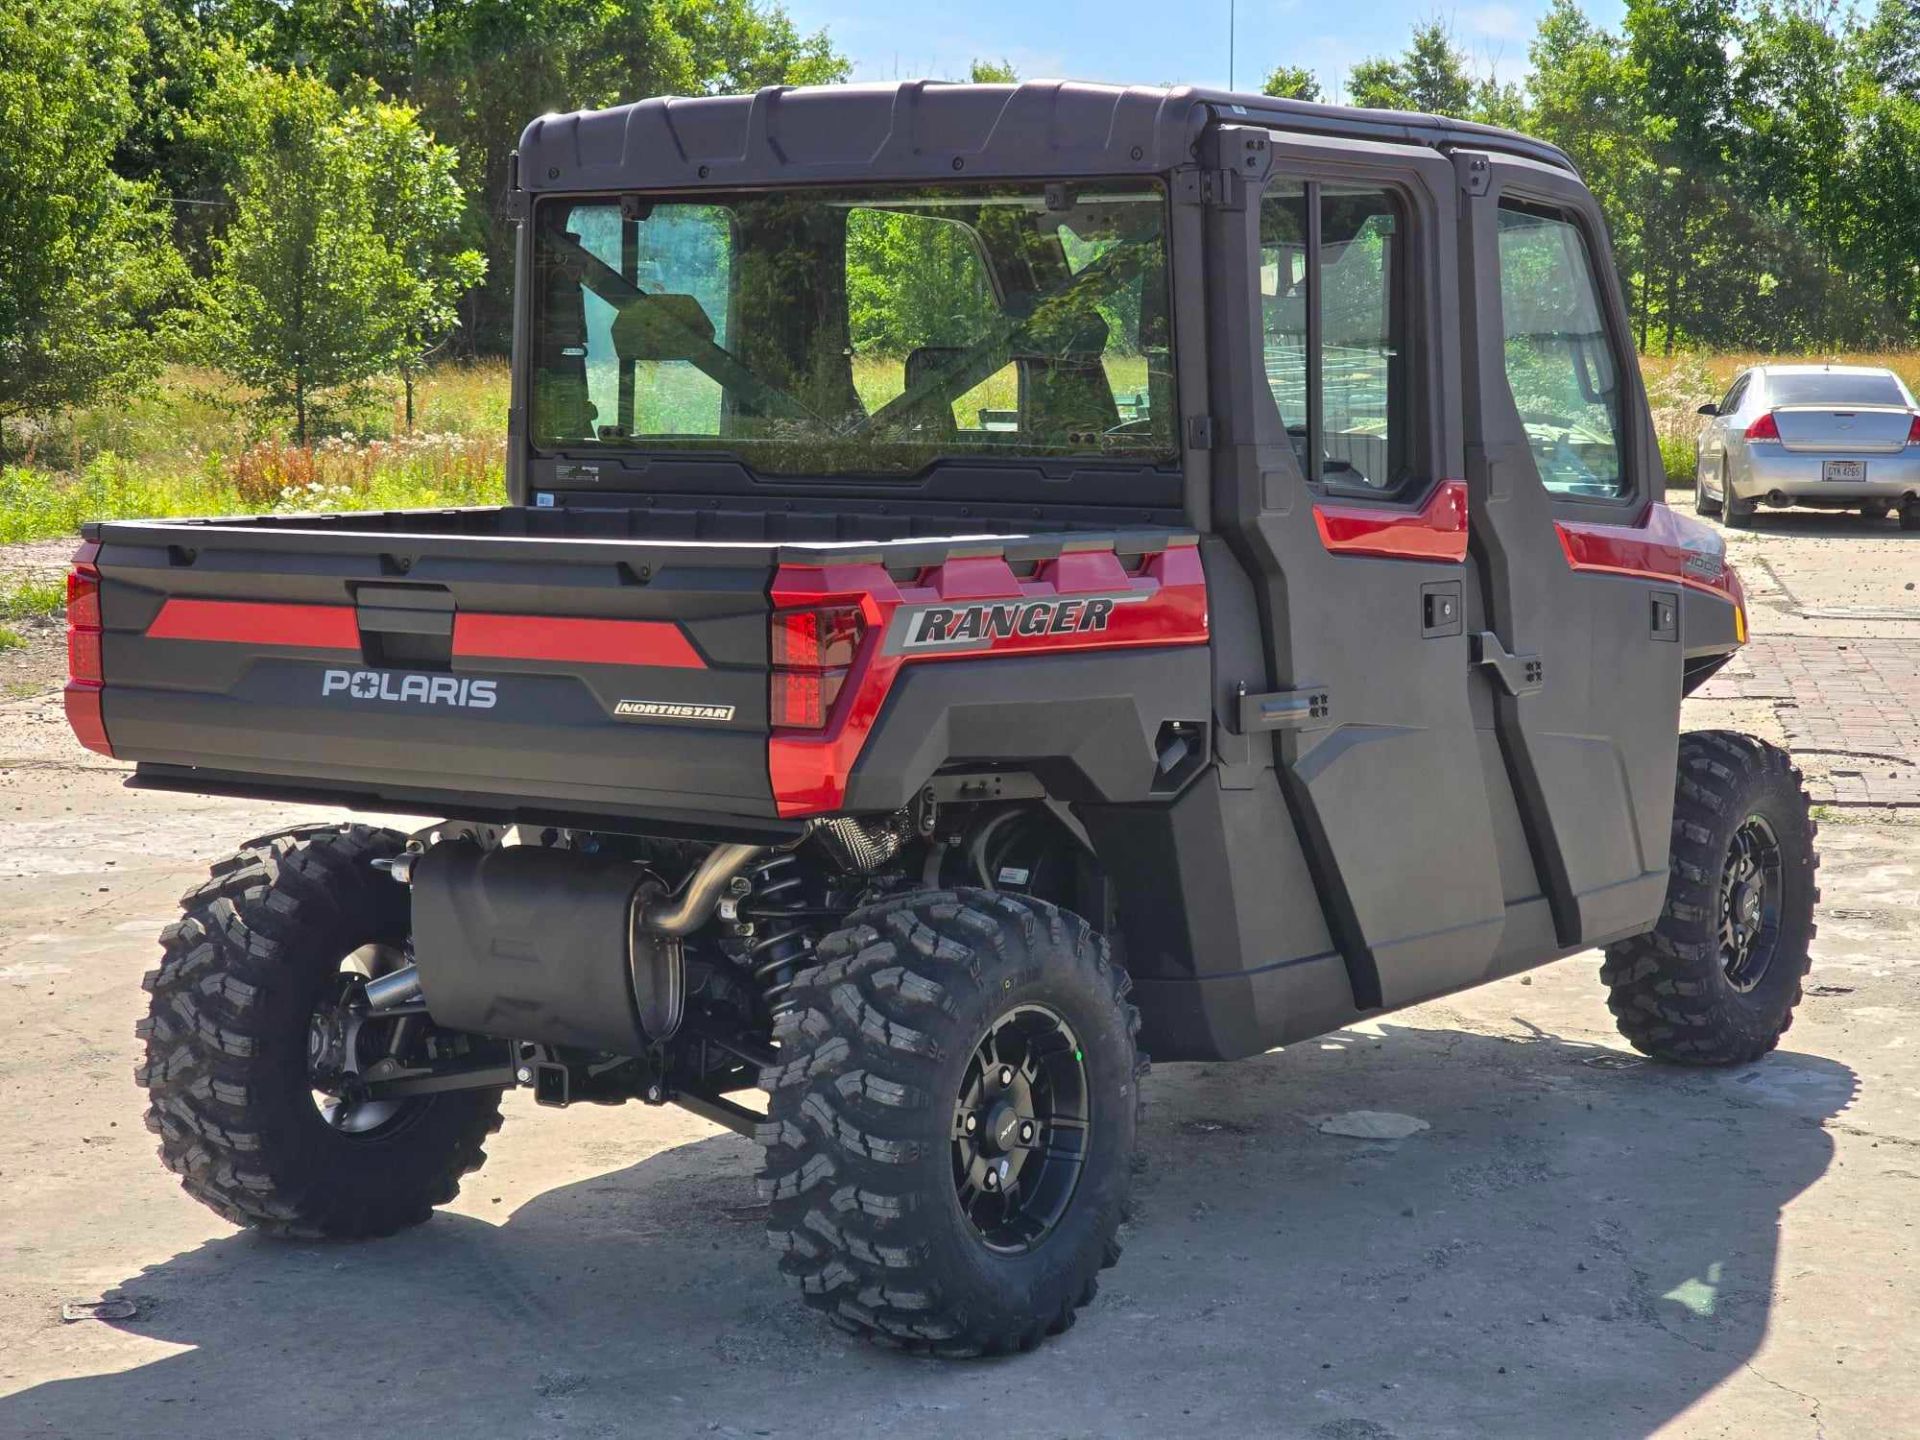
1156 41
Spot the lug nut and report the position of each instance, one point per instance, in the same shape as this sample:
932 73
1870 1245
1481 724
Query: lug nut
1006 1076
973 1123
524 1075
993 1180
1026 1132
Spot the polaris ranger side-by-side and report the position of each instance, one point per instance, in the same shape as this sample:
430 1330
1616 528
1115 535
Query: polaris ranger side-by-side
1000 580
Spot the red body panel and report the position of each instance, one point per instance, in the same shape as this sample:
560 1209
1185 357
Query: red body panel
1164 604
1436 531
1659 545
574 641
248 622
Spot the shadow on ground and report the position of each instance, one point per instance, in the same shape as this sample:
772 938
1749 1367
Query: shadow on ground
1580 1245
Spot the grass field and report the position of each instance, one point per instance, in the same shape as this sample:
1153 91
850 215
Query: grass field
187 447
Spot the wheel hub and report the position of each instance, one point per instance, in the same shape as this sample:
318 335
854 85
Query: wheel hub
1750 893
1021 1129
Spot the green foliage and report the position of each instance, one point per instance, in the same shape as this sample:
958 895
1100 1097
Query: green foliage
417 210
992 72
1676 460
1291 82
305 289
85 268
33 600
1431 77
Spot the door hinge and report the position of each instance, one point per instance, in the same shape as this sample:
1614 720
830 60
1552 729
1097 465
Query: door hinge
1200 432
1518 674
1215 189
1309 708
1474 171
517 205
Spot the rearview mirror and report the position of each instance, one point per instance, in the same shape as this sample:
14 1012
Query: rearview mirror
1709 409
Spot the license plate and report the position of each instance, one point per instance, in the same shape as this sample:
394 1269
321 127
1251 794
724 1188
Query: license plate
1850 472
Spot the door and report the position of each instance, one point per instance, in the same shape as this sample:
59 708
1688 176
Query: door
1562 470
1336 480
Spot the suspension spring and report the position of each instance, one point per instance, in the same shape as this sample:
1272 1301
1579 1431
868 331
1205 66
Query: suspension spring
781 942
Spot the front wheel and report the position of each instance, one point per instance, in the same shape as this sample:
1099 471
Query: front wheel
950 1132
246 1006
1715 982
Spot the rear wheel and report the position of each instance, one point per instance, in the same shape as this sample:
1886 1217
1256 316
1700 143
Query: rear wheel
1876 510
1716 981
251 1112
1739 513
951 1125
1910 517
1703 503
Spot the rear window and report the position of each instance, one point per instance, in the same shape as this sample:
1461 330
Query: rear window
860 331
1831 389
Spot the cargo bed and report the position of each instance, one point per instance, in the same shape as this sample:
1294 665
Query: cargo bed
544 665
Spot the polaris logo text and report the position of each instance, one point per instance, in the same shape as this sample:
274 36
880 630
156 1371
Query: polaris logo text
410 689
953 627
670 710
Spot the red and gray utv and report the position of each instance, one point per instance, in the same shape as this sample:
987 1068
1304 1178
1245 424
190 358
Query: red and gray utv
999 580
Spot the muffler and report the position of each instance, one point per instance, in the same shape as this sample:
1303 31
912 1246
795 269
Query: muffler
553 946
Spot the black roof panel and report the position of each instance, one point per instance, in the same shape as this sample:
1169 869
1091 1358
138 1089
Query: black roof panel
924 130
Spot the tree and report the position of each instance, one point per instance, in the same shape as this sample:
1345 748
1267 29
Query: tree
483 68
1291 82
417 210
1432 77
301 296
85 266
993 72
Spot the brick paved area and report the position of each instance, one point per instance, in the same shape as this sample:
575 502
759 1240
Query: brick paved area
1851 707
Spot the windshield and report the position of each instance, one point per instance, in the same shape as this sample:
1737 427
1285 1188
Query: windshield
1834 388
864 331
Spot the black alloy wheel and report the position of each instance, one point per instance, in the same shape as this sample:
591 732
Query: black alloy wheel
1021 1129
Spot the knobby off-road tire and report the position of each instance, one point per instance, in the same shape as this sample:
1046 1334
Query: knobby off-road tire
1680 992
866 1107
259 947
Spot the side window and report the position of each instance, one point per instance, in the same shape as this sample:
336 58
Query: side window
1560 361
1735 395
1333 322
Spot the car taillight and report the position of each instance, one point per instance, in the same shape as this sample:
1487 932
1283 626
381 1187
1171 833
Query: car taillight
1765 428
1913 431
812 652
84 670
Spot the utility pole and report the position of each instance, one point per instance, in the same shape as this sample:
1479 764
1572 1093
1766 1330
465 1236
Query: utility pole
1233 19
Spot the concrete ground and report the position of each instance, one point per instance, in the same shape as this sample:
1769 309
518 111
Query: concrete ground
1581 1244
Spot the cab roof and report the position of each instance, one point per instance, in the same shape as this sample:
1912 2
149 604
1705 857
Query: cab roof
929 130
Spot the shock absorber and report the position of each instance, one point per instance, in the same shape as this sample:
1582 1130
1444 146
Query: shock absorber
781 944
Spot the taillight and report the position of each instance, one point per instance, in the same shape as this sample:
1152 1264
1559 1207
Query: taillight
1765 428
84 670
1913 431
812 652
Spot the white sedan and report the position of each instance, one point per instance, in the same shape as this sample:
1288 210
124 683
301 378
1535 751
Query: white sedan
1830 437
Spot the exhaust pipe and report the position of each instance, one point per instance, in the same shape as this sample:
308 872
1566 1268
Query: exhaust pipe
554 946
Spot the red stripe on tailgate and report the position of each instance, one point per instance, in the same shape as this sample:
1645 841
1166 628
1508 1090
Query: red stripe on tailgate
574 641
1436 531
257 622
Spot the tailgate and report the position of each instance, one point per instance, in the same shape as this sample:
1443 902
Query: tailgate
468 672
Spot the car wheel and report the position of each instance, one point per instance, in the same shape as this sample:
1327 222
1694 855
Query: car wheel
1878 510
1739 513
1910 518
1702 504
